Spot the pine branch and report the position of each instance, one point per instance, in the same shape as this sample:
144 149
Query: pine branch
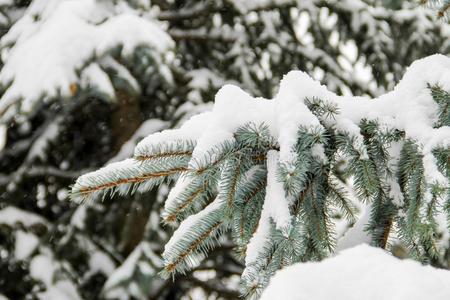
193 239
123 177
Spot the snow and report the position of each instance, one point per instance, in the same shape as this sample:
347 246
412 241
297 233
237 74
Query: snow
120 71
62 290
145 129
362 272
409 107
50 133
259 238
291 113
6 2
395 192
126 270
206 143
275 208
100 262
232 108
346 126
275 201
191 130
11 215
26 243
3 130
78 218
248 5
356 234
42 267
113 289
39 63
94 77
318 151
203 78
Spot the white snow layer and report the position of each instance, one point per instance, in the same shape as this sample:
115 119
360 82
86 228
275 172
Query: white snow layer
126 270
25 244
249 5
362 272
93 77
356 234
3 130
78 218
61 290
275 200
42 58
191 130
276 207
43 268
11 215
146 128
6 2
409 107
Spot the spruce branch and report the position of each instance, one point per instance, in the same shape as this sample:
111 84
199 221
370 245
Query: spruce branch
274 170
193 239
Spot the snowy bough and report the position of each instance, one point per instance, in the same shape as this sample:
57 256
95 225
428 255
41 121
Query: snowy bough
272 172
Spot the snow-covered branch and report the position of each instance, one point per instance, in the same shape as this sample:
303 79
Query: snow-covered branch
54 55
396 146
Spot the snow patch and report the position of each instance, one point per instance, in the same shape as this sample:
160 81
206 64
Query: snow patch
275 201
62 290
42 58
25 244
3 130
11 215
362 272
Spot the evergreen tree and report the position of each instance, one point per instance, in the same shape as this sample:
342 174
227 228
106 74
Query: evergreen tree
61 123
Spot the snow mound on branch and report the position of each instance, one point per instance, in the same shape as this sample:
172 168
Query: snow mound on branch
11 215
362 272
409 108
245 6
47 48
142 260
3 130
43 267
276 207
26 243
